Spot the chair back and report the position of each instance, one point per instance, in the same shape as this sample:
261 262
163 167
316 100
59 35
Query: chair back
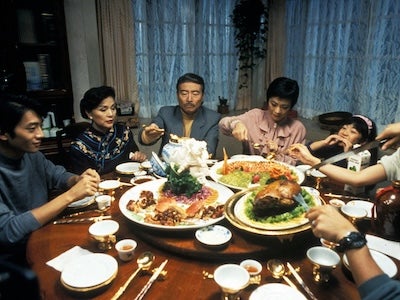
64 138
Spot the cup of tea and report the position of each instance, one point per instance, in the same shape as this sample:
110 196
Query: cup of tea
126 249
103 201
232 279
103 232
324 260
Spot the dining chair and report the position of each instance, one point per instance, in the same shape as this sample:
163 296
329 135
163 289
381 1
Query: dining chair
64 138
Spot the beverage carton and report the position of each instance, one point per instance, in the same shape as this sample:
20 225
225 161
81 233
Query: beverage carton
356 163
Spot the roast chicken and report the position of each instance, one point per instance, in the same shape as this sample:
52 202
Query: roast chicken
276 198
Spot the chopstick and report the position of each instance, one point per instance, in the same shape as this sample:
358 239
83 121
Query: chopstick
289 282
300 281
151 280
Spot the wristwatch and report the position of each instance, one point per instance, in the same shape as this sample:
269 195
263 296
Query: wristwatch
353 240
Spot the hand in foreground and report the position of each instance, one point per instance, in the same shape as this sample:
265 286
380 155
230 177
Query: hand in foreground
392 133
341 141
272 146
301 152
328 223
240 132
153 131
137 156
86 185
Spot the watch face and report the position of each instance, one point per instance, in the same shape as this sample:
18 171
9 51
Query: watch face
353 240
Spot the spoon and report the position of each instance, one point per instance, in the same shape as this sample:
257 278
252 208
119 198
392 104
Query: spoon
277 268
144 261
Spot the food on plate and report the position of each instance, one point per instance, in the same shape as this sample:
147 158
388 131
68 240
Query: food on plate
274 203
276 198
179 199
243 173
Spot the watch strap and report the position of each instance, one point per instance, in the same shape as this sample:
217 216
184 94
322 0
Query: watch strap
353 240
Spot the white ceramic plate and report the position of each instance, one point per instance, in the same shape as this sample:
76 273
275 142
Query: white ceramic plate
276 291
363 204
128 168
82 203
214 171
384 262
154 186
240 207
89 270
213 235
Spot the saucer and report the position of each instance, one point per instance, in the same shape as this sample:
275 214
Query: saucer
141 179
213 236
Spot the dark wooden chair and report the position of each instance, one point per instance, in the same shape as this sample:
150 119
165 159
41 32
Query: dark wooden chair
64 138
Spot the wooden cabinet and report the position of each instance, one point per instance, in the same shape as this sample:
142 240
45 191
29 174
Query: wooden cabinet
34 54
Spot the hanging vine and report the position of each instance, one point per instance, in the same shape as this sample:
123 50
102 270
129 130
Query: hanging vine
250 19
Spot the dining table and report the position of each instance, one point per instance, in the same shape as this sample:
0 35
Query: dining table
188 260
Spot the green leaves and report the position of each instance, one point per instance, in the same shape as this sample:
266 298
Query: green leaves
181 183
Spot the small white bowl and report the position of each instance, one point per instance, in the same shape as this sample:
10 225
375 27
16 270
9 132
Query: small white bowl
103 228
323 256
109 184
231 278
141 179
337 203
213 236
146 165
252 266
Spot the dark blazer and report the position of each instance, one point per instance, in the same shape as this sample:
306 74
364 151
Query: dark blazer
204 127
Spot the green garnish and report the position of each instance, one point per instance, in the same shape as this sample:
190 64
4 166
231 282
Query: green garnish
181 183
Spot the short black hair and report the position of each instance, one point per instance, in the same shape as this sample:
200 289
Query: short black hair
190 77
284 88
93 97
13 108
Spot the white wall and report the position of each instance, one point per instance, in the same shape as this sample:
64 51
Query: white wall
83 48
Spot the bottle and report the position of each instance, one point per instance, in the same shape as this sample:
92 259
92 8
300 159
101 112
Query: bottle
387 205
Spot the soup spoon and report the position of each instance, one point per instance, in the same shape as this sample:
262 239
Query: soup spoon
277 268
144 261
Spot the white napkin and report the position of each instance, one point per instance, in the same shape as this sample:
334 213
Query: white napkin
390 248
63 259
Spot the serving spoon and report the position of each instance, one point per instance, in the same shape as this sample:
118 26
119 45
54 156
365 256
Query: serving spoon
278 270
144 261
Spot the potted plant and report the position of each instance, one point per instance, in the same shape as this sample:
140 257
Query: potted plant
250 21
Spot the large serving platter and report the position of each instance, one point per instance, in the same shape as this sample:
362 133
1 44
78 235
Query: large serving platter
154 186
214 170
239 211
234 214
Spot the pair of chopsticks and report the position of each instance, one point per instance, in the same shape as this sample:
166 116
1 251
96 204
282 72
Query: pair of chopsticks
300 281
151 280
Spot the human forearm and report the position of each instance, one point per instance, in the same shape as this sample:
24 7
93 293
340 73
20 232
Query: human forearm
362 265
368 176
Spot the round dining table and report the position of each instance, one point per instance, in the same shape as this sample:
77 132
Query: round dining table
188 260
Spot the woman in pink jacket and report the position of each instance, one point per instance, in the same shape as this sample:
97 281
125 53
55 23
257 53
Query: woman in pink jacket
263 132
